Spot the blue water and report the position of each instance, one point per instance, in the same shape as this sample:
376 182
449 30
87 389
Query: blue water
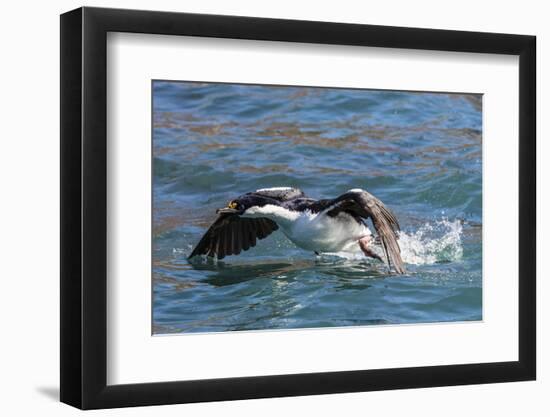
420 153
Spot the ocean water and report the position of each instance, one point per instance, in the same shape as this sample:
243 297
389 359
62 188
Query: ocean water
420 153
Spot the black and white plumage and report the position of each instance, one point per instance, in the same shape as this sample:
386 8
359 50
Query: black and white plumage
327 225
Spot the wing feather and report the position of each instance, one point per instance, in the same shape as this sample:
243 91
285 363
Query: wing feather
263 230
367 206
231 234
245 233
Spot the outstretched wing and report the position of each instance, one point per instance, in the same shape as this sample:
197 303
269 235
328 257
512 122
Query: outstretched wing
365 205
231 234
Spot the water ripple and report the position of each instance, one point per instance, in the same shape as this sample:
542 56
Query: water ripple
420 153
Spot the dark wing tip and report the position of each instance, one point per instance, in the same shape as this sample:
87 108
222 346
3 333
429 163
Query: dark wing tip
203 249
231 234
387 226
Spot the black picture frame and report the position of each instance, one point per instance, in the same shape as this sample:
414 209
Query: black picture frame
84 207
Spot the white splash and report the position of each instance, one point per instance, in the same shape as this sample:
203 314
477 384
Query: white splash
437 242
440 241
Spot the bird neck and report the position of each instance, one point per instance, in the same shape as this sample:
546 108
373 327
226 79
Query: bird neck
280 215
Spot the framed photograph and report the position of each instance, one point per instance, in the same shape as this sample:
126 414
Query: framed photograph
258 208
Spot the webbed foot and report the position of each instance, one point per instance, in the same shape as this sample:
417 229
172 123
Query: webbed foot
365 245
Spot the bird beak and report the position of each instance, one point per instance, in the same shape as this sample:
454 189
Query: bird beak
227 210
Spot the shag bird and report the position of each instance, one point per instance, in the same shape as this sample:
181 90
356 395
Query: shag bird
322 226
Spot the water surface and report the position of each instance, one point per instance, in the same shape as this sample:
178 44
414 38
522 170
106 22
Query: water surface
420 153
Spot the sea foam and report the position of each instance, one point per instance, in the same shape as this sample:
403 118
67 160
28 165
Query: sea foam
440 241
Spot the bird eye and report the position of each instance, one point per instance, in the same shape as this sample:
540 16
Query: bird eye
232 205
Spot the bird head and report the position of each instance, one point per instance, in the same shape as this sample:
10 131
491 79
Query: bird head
233 207
239 205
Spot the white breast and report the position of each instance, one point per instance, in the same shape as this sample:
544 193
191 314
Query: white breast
322 233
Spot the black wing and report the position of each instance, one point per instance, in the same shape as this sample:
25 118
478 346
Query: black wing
365 205
231 234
